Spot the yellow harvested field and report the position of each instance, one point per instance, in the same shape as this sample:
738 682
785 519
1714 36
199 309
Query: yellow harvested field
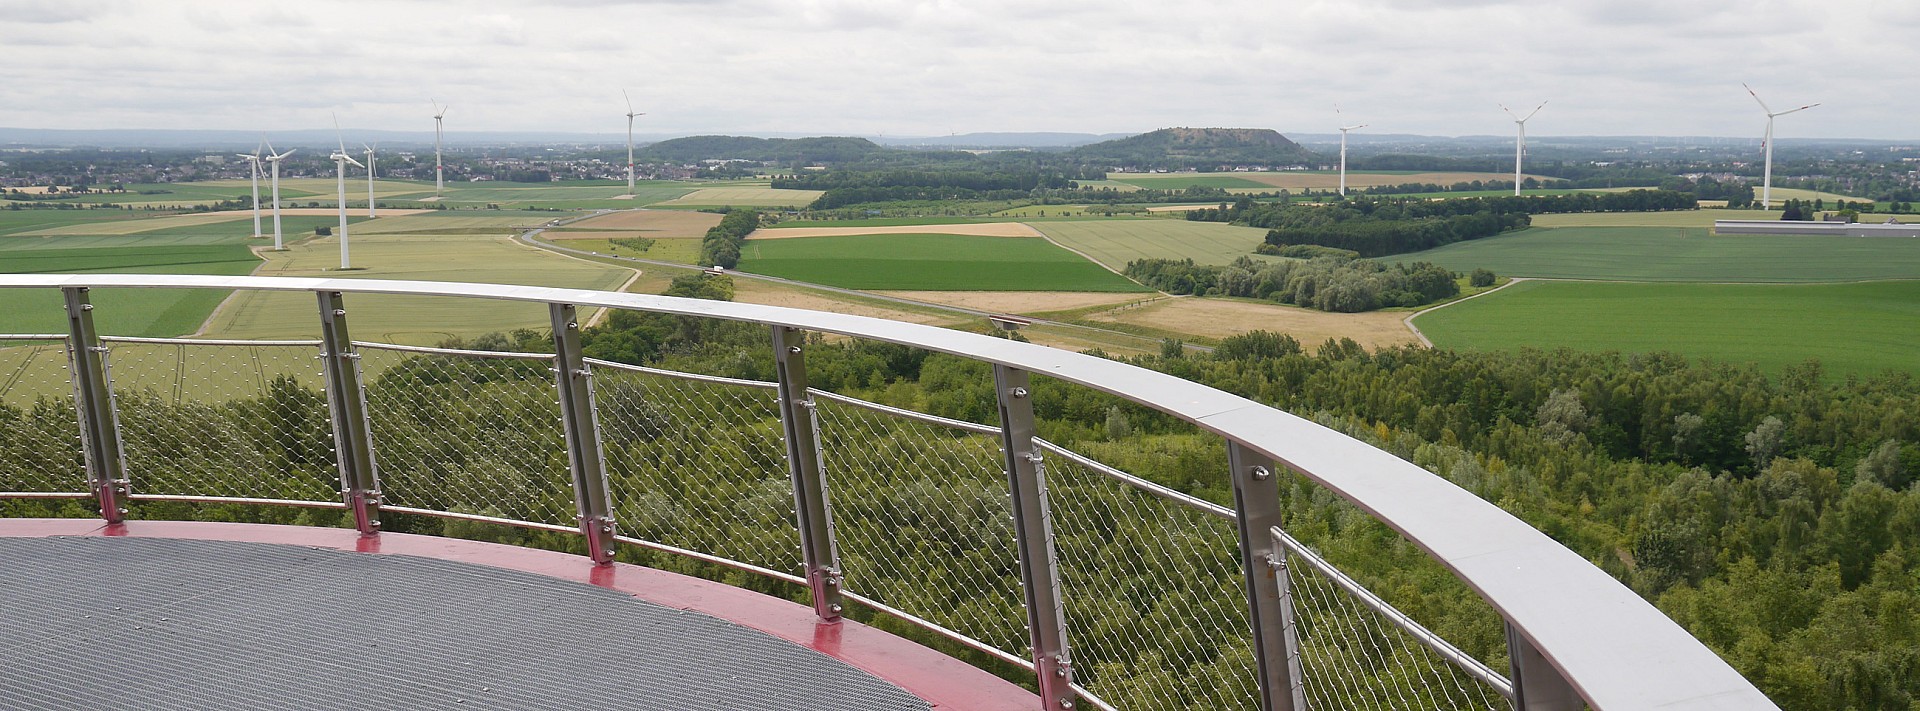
755 291
1219 318
128 227
658 224
977 229
746 197
1018 302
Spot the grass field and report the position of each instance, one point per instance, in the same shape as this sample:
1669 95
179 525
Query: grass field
1679 254
930 262
1850 328
151 312
657 224
679 251
1671 218
745 197
127 227
455 222
1116 242
411 320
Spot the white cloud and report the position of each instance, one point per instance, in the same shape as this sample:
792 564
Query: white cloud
939 66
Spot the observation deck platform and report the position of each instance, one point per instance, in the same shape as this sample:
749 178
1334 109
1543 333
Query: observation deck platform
181 615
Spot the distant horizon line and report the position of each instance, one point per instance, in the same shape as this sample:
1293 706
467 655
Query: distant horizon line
232 134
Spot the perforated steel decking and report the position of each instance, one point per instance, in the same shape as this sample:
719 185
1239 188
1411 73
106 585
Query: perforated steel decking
98 623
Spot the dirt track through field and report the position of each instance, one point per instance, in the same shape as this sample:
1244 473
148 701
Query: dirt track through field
979 229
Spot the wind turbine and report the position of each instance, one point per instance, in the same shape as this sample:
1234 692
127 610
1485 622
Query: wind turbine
274 159
369 177
630 115
253 160
1766 179
1520 143
1343 152
439 176
340 161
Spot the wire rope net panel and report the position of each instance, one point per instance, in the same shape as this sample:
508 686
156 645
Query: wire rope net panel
696 463
39 432
468 432
224 418
924 520
1156 607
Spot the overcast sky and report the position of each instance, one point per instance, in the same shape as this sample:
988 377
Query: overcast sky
864 67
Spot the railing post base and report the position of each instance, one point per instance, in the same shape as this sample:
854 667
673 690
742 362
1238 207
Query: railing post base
573 379
93 403
813 510
347 408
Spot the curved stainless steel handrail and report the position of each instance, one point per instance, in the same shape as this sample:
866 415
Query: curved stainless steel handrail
1616 649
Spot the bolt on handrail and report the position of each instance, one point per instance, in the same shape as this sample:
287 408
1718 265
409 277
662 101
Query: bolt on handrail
1576 635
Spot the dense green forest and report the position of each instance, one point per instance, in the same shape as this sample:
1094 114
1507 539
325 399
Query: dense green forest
1778 519
1379 226
1328 283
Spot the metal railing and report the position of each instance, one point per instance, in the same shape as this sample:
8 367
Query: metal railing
1116 592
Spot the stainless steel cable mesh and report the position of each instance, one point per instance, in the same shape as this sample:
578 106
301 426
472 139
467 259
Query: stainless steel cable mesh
1156 611
466 432
223 419
697 464
923 520
39 431
1355 657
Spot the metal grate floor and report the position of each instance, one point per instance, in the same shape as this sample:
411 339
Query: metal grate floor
96 623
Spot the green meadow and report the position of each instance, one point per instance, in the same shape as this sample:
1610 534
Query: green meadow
1860 328
933 262
1679 254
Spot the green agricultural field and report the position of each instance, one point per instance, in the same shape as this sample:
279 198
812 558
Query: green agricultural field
1851 328
411 320
1116 242
678 251
1671 218
931 262
1188 180
17 221
166 312
566 196
494 222
1679 254
743 196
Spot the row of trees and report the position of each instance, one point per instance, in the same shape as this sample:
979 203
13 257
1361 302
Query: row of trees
1379 226
721 245
1334 283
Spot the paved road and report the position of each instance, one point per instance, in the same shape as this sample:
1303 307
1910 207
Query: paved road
529 238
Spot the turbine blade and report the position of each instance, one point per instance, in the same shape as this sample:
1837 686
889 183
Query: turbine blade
1803 108
1536 110
1503 107
623 95
1756 99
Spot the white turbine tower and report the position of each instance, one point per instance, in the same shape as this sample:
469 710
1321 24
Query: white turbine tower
1343 152
370 164
439 176
274 159
253 161
1766 176
630 115
1520 143
340 161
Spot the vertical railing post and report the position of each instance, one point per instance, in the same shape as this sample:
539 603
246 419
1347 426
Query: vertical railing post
812 508
1537 686
347 409
93 402
574 381
1276 647
1033 536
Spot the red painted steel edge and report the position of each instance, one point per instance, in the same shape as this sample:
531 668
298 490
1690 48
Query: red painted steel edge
943 681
